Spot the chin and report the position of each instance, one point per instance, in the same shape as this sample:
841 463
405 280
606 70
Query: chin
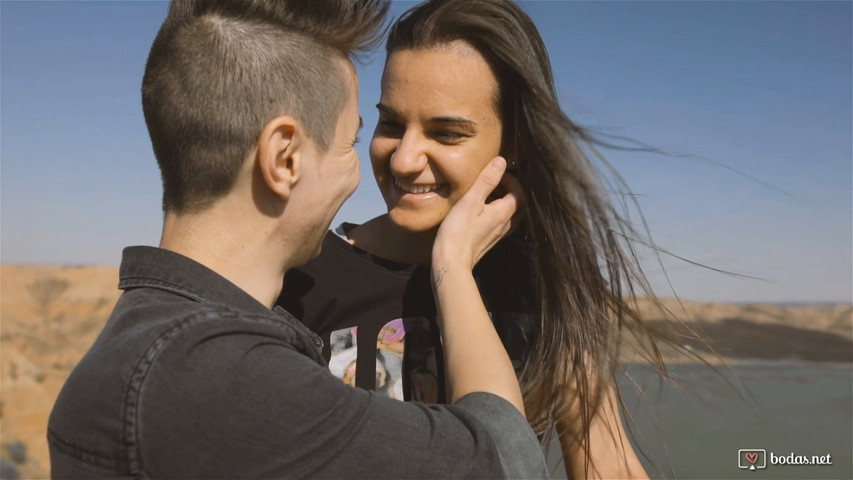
414 223
307 255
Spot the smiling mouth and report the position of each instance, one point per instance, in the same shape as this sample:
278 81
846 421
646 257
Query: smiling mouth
419 189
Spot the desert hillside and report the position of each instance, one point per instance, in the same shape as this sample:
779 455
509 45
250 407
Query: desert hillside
48 318
737 332
50 315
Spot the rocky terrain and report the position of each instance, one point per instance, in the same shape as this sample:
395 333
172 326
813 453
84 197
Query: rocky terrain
738 332
49 316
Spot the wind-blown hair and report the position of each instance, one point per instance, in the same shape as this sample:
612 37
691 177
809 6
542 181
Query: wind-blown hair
573 239
220 70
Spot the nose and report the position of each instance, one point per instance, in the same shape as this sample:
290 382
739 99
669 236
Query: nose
410 157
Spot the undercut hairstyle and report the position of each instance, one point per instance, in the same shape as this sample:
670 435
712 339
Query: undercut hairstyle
578 246
220 70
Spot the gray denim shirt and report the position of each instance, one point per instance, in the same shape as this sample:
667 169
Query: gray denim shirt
193 378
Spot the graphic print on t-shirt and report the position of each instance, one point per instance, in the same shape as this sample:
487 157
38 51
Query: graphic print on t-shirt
344 347
405 359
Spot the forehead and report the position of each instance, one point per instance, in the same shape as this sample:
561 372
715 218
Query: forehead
451 76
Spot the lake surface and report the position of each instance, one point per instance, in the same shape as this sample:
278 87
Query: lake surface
694 428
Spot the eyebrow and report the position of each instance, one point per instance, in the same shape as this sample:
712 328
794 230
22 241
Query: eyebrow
456 120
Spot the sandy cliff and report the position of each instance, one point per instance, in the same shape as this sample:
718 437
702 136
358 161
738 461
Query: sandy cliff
49 316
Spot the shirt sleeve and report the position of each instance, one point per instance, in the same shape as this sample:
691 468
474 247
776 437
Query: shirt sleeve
231 402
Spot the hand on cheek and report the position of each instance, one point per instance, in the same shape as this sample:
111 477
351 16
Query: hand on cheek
487 212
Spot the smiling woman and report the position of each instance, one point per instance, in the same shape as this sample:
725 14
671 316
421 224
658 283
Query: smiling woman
464 82
438 127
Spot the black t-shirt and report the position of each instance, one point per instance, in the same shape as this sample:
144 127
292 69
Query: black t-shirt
377 317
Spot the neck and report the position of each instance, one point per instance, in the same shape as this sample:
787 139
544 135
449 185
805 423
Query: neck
244 253
383 238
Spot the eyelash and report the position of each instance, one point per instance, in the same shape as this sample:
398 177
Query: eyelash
388 125
446 136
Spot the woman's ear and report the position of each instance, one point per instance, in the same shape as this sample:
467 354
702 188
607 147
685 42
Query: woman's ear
278 154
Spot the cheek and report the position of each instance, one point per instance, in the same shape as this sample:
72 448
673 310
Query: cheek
463 167
355 174
381 150
380 153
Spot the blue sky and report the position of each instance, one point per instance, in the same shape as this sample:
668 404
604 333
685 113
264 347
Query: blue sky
764 88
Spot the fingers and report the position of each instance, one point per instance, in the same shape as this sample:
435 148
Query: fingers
484 189
475 224
488 180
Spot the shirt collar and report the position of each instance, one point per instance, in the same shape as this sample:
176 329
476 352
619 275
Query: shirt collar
166 270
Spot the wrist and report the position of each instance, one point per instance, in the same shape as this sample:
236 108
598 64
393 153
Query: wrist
443 273
448 258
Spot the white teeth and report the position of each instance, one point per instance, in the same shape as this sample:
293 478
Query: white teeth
412 188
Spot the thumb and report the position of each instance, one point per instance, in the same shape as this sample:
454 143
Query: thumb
488 180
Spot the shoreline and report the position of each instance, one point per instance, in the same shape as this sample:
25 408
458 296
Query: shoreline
740 363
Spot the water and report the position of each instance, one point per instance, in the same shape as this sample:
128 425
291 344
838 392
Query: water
696 429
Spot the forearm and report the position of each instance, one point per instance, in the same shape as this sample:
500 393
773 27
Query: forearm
475 358
292 419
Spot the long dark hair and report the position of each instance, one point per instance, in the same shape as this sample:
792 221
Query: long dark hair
577 244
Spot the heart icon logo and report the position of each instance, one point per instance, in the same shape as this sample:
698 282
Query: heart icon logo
752 457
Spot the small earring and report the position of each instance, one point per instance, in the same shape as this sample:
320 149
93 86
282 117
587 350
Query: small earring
513 163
